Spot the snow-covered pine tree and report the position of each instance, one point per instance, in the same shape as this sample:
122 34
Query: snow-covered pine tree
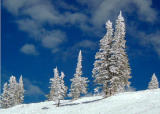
64 88
153 84
53 85
79 84
5 97
13 91
20 91
56 92
119 65
111 68
101 71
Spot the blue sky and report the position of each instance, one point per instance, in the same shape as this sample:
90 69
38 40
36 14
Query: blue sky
39 35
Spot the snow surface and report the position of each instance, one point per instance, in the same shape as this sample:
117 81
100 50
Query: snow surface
141 102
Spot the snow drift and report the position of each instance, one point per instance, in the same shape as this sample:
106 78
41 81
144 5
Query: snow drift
141 102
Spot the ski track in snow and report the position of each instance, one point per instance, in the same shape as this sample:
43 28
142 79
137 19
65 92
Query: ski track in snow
139 102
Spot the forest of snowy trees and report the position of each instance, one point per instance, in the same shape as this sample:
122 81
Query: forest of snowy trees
111 72
13 93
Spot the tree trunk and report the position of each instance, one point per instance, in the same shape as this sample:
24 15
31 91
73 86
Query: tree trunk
58 103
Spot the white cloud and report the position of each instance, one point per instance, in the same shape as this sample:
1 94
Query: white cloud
42 13
152 40
100 11
148 40
31 89
145 10
48 39
53 39
29 49
32 27
109 9
63 5
75 18
13 6
36 14
86 44
55 50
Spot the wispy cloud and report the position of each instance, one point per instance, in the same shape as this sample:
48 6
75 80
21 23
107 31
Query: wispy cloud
53 39
87 44
34 15
105 9
148 40
84 45
99 11
29 49
31 89
151 40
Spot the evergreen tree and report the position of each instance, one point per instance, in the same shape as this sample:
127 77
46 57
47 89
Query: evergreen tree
119 60
79 84
5 97
101 65
20 90
57 92
153 84
13 90
64 88
111 68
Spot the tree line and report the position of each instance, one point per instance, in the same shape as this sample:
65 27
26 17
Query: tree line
111 72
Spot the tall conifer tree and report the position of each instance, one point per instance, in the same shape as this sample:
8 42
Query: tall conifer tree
13 90
20 90
111 68
63 87
57 89
79 84
5 97
101 71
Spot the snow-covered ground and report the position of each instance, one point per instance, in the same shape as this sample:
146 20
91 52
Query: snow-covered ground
141 102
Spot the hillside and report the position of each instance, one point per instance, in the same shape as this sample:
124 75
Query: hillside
140 102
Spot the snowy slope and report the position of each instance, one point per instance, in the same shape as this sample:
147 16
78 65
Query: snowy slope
142 102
